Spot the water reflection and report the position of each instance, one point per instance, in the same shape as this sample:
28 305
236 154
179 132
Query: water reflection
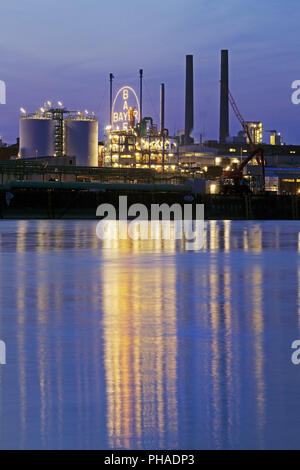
140 340
141 344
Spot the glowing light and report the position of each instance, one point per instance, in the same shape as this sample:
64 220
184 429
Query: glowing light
59 103
213 189
22 110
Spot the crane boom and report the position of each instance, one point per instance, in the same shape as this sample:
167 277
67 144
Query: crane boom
240 117
257 151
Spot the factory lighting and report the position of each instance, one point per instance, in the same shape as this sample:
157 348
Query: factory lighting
213 189
23 110
42 109
86 111
108 128
59 103
49 103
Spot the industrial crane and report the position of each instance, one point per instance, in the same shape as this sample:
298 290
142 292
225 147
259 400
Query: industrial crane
236 171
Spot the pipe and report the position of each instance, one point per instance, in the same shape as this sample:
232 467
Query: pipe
11 185
141 95
162 107
111 77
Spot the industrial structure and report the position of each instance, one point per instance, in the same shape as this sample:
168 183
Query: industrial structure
224 106
57 144
134 141
189 101
55 132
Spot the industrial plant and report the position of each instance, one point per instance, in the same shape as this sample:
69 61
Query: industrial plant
56 132
62 145
132 140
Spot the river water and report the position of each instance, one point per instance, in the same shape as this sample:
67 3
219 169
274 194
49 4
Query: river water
143 345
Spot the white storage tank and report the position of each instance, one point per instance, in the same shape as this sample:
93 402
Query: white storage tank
37 136
81 139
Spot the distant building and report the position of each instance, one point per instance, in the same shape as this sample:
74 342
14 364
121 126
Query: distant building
242 149
256 131
275 138
8 151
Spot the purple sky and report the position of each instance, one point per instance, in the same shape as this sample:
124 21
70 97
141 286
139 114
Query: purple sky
65 49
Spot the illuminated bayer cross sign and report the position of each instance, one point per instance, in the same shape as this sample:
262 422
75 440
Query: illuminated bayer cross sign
125 99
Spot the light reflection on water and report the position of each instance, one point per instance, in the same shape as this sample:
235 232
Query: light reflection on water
141 344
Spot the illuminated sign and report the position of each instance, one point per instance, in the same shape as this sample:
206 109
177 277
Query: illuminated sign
125 99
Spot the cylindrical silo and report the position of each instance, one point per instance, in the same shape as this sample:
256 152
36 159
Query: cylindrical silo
37 137
81 139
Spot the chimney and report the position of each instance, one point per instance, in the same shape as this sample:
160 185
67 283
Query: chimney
189 101
224 115
141 95
162 107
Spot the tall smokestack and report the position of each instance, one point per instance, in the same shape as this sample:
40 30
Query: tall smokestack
162 107
141 95
224 109
111 77
189 100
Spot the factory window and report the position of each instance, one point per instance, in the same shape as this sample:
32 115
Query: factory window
232 150
213 189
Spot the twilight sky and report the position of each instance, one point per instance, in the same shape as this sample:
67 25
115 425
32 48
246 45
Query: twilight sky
65 49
